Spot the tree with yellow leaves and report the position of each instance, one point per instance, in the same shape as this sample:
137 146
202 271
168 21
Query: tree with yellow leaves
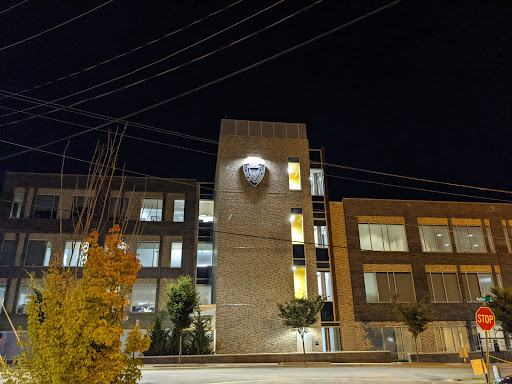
75 324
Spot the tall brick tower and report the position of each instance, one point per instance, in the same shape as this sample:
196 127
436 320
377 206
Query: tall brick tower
264 248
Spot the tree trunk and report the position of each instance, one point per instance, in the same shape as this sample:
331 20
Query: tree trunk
416 345
179 355
303 348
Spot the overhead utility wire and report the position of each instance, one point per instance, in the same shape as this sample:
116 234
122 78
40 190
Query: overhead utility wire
14 6
147 66
124 53
55 27
232 74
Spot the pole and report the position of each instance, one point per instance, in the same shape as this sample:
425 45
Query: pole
487 348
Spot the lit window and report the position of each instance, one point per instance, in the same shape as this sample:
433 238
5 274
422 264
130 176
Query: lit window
477 285
316 177
382 237
151 210
331 339
8 252
324 285
469 239
435 238
205 294
143 298
24 298
176 254
46 207
382 286
299 282
148 253
204 254
448 339
38 253
17 205
179 211
297 228
321 240
294 173
205 211
75 253
444 287
3 288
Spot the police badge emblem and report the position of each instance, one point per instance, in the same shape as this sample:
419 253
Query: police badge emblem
254 170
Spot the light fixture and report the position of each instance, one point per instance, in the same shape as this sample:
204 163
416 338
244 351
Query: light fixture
294 268
447 245
254 160
292 217
470 235
439 234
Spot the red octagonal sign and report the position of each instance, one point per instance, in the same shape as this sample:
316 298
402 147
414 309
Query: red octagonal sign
485 319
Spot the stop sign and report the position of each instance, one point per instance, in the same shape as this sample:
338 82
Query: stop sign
485 319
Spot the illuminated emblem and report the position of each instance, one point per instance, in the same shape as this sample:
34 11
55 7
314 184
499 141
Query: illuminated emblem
254 170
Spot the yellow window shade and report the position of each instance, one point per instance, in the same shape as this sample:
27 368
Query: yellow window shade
294 175
297 229
299 282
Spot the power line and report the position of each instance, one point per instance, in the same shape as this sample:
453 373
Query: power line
218 80
147 66
14 6
55 27
124 53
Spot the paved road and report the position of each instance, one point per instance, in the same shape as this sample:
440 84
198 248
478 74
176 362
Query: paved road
300 375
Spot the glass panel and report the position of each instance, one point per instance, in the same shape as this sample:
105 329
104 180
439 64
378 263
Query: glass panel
443 238
328 286
205 294
294 175
462 239
299 282
389 339
428 241
383 286
452 287
17 205
205 211
176 254
476 238
474 287
204 254
485 280
297 229
47 254
439 339
179 211
507 238
317 182
143 298
35 252
370 285
404 287
385 237
74 254
8 252
325 339
117 207
3 288
147 253
23 299
489 239
151 210
46 207
320 232
364 237
397 239
376 237
437 282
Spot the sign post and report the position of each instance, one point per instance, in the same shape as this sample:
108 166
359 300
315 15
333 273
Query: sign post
486 320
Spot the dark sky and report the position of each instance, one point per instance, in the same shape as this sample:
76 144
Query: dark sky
422 89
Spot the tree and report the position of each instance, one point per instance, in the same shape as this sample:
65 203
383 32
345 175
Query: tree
300 314
416 317
159 339
200 335
182 301
502 307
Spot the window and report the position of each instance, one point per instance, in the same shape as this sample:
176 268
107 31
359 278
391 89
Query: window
297 228
8 252
143 298
320 236
151 210
450 339
117 207
294 173
382 237
23 299
205 294
148 253
477 285
299 282
399 340
46 207
17 205
435 238
204 254
205 211
444 287
324 285
381 286
316 177
3 288
506 230
469 239
176 253
78 206
75 253
38 253
179 211
489 238
331 339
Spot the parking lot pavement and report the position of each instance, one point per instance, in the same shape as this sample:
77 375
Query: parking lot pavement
300 375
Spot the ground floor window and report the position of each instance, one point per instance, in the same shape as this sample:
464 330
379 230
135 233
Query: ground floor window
143 298
400 341
495 338
331 339
450 339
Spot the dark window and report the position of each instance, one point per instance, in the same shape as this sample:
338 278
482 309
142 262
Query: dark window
46 207
78 206
327 313
298 251
322 254
8 252
117 207
36 251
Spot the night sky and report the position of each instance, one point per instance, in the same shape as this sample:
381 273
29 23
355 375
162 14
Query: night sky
421 89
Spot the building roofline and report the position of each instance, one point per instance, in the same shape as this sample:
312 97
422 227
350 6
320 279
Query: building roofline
82 174
422 201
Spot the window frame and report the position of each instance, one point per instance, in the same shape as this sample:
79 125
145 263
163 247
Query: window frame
466 283
393 291
19 206
54 208
314 183
436 236
174 210
455 229
159 217
157 253
155 300
431 285
45 258
406 242
180 257
292 162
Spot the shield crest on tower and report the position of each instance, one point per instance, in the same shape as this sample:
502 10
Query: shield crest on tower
254 170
